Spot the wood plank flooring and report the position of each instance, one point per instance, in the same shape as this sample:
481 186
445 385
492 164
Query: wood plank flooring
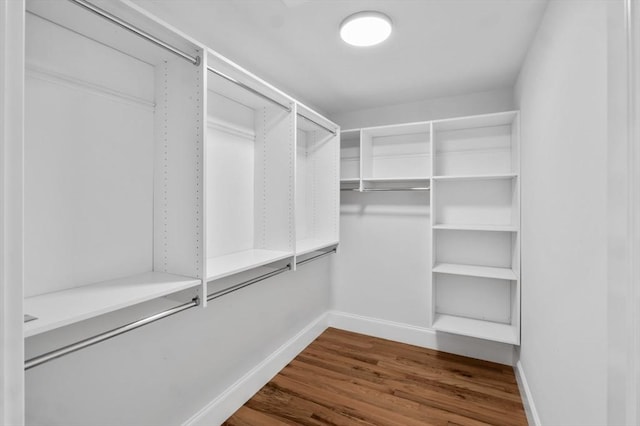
344 378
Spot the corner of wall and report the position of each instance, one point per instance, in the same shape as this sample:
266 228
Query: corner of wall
227 403
527 398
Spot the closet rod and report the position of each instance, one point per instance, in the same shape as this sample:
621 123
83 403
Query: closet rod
104 14
49 356
249 89
333 132
311 259
428 188
247 283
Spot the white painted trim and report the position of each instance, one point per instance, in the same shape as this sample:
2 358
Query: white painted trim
527 398
623 204
227 403
633 357
422 336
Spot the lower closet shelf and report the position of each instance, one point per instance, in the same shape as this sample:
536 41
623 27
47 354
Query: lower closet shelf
234 263
61 308
475 271
498 332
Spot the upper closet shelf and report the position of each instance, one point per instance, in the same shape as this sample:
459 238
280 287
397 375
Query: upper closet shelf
397 179
494 228
475 121
475 271
234 263
66 307
476 177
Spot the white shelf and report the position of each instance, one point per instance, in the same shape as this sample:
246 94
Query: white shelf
475 271
223 266
475 121
493 228
350 180
476 177
398 129
494 331
62 308
313 244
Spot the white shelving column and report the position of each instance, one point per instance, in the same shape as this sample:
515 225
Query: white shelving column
250 154
317 182
179 169
432 168
396 156
476 227
113 164
350 155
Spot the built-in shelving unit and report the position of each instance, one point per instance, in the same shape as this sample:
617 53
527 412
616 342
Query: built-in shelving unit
113 164
475 219
317 174
470 165
154 165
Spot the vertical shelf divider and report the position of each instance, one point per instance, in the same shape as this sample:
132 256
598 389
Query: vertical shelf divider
432 201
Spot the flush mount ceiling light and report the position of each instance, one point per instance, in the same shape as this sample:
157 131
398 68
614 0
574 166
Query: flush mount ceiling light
365 28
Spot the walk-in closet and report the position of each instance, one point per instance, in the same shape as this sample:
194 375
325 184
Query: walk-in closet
319 212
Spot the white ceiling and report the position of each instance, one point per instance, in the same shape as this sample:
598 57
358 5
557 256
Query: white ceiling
438 47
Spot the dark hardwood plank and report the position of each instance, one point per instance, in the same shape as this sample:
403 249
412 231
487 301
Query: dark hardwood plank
344 378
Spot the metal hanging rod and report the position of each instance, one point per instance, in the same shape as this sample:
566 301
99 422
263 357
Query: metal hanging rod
247 283
428 188
311 259
333 132
249 89
104 14
49 356
57 353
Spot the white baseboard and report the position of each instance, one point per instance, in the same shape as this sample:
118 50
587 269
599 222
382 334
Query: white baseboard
527 398
227 403
424 337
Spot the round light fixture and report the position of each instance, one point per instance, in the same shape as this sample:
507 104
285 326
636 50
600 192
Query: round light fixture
365 28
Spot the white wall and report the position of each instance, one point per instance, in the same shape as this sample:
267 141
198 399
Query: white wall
562 94
382 270
11 200
164 373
